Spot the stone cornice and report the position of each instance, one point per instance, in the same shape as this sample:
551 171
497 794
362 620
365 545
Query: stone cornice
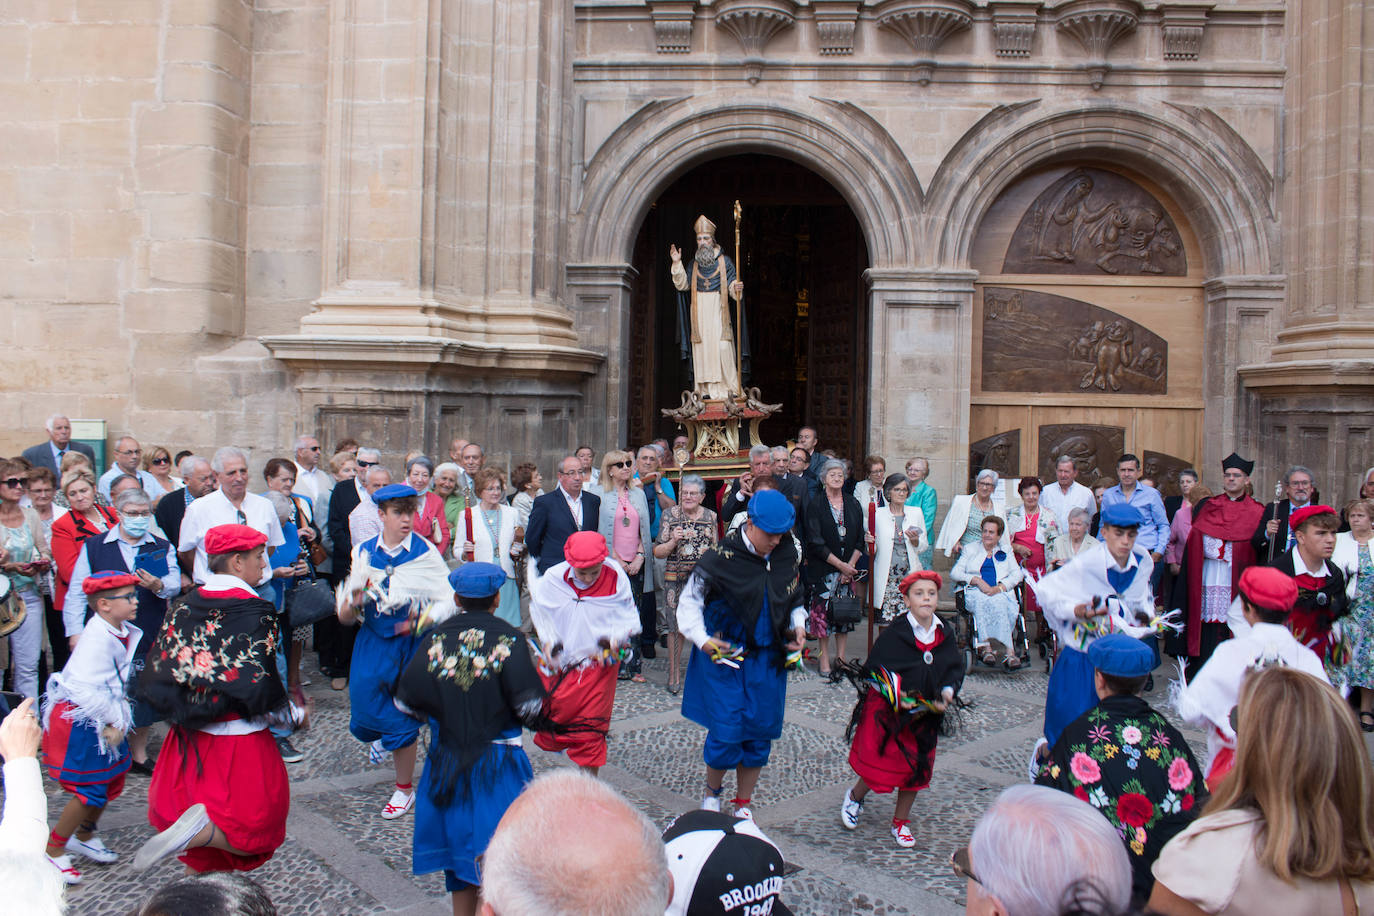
1309 377
428 354
1097 24
925 24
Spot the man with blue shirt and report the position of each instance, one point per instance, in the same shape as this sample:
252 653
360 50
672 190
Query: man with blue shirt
126 462
1154 525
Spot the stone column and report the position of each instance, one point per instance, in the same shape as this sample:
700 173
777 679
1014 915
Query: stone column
600 295
921 372
1317 389
1240 319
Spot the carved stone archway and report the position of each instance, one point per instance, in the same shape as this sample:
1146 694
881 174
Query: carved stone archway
664 139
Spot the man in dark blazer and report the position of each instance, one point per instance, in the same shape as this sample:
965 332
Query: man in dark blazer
560 513
333 640
49 454
200 480
1273 537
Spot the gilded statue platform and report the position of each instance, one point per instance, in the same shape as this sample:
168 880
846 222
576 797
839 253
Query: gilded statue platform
720 432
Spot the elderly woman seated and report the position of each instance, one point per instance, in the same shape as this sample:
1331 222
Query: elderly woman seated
1075 541
990 575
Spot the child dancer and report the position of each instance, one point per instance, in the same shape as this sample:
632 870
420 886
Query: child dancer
219 795
86 714
473 678
911 676
395 577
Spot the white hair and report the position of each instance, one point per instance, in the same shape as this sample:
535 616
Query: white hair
368 452
987 472
758 451
48 423
301 440
1080 512
447 466
224 454
1039 850
188 465
1064 459
779 450
376 469
528 871
130 497
831 465
282 503
1299 469
692 480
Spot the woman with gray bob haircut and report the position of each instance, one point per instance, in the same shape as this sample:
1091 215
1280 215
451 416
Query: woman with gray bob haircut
1041 852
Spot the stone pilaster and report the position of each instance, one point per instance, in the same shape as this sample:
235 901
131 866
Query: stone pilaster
922 324
1317 386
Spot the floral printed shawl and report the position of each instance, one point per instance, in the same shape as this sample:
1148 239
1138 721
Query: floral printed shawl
1126 761
214 657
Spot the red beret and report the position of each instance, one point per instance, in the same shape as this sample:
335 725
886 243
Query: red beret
104 582
584 549
232 539
1299 516
1267 587
928 575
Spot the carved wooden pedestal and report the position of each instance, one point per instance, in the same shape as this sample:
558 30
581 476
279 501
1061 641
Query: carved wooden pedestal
718 442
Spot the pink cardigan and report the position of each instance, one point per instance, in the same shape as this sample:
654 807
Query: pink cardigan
1178 533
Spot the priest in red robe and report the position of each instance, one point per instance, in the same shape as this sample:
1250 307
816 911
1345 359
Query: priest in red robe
1218 550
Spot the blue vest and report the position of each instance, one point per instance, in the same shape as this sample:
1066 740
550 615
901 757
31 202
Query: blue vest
384 624
107 557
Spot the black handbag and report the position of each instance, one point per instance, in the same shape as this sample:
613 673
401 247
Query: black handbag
311 601
845 606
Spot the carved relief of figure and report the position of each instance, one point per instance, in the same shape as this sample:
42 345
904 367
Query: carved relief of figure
1138 233
1082 348
1063 225
1111 354
1148 362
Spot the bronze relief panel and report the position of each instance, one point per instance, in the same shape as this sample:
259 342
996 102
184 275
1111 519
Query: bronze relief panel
1039 342
1000 452
1094 450
1095 222
1163 469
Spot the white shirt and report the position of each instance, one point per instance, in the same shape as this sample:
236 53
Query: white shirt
214 509
574 504
691 607
74 605
24 825
364 522
312 483
1061 504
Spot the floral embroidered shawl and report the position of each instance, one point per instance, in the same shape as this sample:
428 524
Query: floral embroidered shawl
214 657
1126 761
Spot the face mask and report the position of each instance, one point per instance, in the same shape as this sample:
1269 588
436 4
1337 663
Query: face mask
136 525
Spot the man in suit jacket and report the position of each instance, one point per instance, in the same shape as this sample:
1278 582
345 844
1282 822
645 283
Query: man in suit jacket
1273 537
200 480
49 454
560 513
333 640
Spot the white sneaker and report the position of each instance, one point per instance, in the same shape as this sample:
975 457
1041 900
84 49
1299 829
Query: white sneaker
901 832
63 864
401 802
850 811
710 803
744 811
173 840
93 849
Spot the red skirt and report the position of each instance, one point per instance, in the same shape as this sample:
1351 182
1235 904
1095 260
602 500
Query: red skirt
884 769
241 781
585 694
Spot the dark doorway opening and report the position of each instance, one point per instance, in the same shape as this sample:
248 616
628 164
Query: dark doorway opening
805 301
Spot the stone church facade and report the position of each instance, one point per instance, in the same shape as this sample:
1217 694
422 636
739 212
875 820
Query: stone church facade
1086 226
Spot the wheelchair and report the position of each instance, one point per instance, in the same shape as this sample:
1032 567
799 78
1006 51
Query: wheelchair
961 621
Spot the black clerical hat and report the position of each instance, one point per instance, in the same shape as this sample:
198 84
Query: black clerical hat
1235 461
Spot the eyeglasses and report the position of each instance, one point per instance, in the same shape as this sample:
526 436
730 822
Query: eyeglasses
135 515
576 473
959 861
128 596
365 464
132 451
622 464
313 448
18 482
161 461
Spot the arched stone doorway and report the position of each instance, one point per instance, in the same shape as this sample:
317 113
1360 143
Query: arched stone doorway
802 258
1088 327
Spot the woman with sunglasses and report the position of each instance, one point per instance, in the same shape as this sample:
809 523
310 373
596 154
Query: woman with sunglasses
158 462
26 558
624 523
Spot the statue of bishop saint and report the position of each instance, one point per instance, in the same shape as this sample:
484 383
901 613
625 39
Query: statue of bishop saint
713 345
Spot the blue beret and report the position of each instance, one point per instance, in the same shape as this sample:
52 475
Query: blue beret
477 580
770 511
1121 655
393 491
1119 515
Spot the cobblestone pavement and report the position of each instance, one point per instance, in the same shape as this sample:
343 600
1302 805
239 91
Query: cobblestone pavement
341 858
